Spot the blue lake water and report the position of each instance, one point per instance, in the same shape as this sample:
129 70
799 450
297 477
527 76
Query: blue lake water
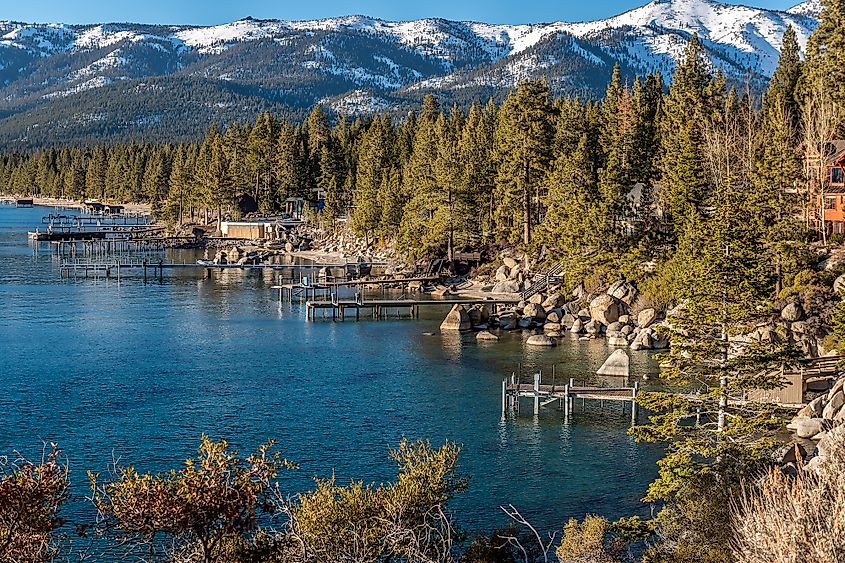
139 371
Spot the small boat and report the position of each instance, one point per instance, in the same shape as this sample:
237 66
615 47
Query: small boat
206 263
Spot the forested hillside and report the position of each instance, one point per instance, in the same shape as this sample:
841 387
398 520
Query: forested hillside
119 82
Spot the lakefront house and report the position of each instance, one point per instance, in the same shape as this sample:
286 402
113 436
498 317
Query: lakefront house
829 194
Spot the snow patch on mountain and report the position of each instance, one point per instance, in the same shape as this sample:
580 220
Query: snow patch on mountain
356 102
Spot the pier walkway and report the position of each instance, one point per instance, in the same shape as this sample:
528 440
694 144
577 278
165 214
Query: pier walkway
381 307
544 394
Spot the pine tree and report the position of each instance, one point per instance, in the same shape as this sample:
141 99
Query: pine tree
778 160
523 152
261 159
374 160
825 57
478 171
686 107
95 174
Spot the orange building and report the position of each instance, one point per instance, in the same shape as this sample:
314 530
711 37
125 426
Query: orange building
829 194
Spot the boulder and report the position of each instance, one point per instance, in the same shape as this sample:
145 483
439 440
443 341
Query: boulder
474 316
839 284
626 330
646 318
525 322
624 319
502 273
605 309
553 301
507 323
457 319
506 287
552 327
792 312
809 427
614 327
559 334
625 291
509 262
834 404
577 326
554 316
534 311
616 364
541 340
617 341
537 299
569 320
486 336
592 328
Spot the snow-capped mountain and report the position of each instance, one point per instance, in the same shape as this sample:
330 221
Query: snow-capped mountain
115 79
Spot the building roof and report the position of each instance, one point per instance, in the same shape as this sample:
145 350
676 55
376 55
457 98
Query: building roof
836 150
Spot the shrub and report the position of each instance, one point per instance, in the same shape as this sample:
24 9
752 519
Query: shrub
31 495
795 519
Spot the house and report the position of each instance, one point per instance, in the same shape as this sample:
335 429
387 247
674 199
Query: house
827 187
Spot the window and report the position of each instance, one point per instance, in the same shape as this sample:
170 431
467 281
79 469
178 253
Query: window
837 176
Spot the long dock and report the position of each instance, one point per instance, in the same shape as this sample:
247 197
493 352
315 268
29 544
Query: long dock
379 307
156 267
545 394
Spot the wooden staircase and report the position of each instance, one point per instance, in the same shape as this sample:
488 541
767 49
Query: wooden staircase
542 282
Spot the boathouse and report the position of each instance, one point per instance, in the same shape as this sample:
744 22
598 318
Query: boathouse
248 229
98 208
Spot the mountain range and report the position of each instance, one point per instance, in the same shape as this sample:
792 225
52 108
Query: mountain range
118 81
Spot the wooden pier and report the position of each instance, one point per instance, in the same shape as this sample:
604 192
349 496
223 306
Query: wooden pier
306 289
117 268
381 307
544 394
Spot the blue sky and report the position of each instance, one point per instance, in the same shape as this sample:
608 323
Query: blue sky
207 12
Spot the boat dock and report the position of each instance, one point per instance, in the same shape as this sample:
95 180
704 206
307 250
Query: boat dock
304 289
381 307
543 394
107 269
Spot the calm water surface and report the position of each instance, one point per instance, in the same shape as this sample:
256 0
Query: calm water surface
140 371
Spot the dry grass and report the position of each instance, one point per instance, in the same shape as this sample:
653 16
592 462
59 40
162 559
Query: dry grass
796 519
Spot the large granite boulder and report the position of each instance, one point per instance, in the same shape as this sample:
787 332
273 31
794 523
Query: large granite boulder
485 335
553 301
605 309
457 319
510 286
616 364
810 427
646 318
623 290
534 311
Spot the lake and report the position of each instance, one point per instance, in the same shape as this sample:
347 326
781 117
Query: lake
139 371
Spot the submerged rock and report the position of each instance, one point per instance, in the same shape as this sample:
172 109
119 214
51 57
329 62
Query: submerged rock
486 336
541 340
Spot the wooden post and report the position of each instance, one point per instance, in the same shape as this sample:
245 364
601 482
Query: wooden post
634 403
536 393
504 398
566 402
